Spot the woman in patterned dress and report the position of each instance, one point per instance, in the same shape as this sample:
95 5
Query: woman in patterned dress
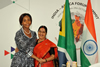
25 40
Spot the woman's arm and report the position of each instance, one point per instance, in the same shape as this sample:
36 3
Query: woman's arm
33 56
52 56
20 42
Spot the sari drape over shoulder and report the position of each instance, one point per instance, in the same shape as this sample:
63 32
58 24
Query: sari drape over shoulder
42 49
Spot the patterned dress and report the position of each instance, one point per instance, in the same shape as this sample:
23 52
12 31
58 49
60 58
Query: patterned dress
25 45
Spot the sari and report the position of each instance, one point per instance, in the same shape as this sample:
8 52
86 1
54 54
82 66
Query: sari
41 50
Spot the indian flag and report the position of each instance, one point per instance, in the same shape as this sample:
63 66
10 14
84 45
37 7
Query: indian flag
89 47
66 46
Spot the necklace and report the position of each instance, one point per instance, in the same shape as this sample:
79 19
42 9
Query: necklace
27 32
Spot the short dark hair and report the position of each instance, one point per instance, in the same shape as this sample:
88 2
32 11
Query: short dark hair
22 16
43 27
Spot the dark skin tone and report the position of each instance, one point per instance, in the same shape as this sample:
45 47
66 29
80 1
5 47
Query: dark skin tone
26 24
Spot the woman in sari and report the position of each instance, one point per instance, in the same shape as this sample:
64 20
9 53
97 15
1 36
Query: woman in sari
45 50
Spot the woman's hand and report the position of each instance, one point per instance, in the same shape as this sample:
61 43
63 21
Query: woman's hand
16 50
47 59
42 60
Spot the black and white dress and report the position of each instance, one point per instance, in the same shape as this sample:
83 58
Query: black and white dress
25 45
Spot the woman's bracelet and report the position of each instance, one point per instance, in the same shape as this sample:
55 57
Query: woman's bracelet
37 59
46 60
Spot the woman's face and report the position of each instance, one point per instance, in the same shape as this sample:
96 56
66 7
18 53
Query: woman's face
42 33
26 22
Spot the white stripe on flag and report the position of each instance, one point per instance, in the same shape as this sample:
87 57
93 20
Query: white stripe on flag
67 55
87 36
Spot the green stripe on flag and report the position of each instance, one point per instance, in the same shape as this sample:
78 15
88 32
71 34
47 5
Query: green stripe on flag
71 48
85 62
61 41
